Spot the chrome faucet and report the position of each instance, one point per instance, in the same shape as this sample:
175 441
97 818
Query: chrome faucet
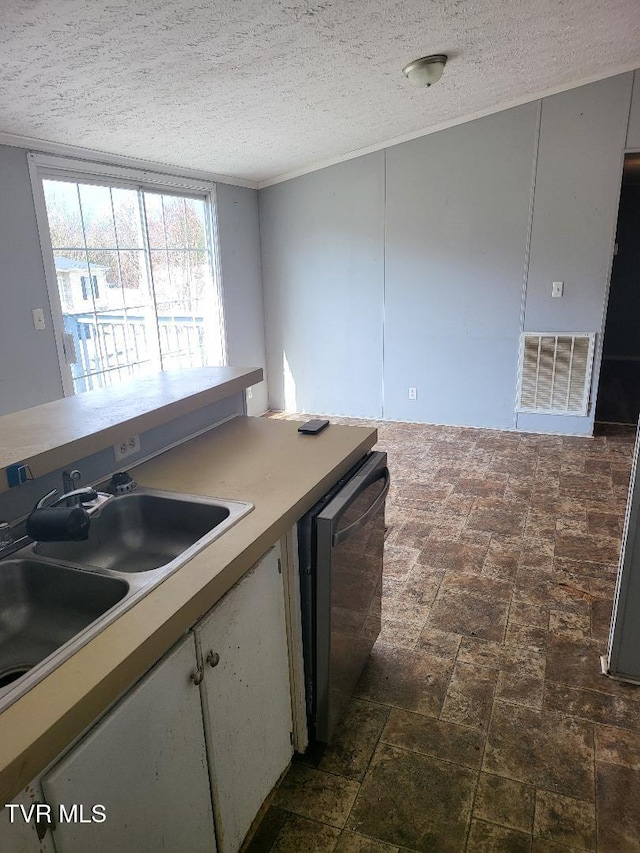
51 522
87 497
76 497
69 480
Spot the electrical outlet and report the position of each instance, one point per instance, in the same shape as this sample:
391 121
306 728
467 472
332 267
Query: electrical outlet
413 393
249 393
127 447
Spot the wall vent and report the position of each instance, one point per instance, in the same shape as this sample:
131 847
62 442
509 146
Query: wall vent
555 372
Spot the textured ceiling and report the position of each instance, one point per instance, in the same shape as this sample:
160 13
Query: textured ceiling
257 88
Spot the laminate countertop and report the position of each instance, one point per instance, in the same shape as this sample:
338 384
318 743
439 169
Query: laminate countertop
55 434
267 462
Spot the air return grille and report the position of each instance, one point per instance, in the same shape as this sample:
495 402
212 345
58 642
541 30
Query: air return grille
555 373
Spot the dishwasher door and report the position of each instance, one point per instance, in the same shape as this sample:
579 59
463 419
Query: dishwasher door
350 543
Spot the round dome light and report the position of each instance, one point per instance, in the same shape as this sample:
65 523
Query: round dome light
426 71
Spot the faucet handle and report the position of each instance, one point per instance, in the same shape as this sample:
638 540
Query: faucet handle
45 498
78 496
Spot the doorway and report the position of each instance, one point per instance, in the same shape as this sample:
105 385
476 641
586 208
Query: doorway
619 386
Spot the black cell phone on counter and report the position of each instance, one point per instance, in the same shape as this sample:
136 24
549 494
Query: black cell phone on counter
313 427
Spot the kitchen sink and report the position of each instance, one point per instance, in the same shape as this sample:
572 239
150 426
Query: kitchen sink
42 606
56 596
143 530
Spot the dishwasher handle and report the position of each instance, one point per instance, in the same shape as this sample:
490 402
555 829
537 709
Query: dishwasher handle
344 534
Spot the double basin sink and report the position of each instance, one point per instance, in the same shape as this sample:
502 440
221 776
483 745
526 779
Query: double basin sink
56 596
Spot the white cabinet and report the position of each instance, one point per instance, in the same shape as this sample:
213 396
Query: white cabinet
146 763
242 646
19 835
170 761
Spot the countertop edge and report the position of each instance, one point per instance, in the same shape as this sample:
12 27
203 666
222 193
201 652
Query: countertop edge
83 441
42 740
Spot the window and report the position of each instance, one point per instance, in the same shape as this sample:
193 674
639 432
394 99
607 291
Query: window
86 290
134 278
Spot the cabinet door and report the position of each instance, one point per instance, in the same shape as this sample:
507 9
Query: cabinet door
246 698
18 835
146 763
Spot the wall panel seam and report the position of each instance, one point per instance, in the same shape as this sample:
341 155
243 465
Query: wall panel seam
384 281
527 248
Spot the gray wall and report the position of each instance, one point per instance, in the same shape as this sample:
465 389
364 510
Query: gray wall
242 284
633 134
578 179
457 216
29 372
478 221
322 244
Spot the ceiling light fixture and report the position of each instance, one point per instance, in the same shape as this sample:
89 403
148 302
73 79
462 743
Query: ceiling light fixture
426 71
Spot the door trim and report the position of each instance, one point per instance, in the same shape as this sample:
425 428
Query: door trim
292 612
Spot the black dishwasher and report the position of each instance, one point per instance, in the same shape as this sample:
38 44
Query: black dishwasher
340 547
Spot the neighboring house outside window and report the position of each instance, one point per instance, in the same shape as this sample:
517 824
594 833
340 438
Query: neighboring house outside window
74 289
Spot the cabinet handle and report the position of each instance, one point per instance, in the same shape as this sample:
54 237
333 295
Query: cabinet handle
197 676
213 658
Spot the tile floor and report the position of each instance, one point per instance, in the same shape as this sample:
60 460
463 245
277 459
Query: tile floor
482 722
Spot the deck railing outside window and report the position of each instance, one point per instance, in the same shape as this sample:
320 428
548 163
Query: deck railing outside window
110 348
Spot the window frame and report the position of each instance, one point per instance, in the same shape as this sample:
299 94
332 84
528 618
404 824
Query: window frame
54 167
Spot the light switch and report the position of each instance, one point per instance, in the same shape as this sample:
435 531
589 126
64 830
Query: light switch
557 288
38 319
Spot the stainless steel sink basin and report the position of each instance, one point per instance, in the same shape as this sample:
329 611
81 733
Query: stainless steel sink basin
42 606
56 596
143 530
